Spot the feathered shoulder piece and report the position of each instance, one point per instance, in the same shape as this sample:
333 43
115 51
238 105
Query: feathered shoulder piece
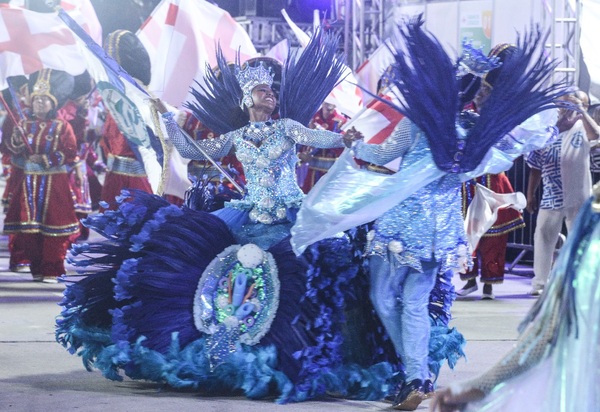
217 100
432 89
308 79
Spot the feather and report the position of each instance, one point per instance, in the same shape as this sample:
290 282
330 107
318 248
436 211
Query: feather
560 296
521 90
429 94
217 103
307 80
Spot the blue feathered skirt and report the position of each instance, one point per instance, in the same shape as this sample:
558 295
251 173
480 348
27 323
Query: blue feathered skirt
170 296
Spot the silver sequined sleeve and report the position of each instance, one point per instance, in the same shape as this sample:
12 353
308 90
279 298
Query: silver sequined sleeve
531 348
396 145
323 139
215 148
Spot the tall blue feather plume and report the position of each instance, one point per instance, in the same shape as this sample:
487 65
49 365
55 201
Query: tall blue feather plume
306 81
521 90
429 94
217 103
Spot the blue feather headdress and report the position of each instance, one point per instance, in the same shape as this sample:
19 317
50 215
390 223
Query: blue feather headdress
217 102
307 80
305 83
429 84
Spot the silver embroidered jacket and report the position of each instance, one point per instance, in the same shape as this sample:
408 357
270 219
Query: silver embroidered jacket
429 223
267 151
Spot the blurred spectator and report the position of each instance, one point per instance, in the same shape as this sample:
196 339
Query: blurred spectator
320 160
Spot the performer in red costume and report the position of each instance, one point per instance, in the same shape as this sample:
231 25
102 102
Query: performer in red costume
320 160
124 169
490 255
41 209
75 112
491 250
19 108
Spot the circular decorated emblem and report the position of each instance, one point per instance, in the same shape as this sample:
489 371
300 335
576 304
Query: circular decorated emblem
237 297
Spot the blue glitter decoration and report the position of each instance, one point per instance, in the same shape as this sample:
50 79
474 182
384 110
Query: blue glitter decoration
474 61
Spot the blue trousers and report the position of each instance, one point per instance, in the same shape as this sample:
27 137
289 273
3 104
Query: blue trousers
400 295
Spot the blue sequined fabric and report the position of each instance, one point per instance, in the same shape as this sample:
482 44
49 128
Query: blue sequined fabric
427 224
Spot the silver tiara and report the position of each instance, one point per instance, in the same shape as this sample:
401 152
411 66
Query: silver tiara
250 77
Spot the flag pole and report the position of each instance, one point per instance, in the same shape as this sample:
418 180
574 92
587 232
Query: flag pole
113 66
17 123
214 163
108 62
197 146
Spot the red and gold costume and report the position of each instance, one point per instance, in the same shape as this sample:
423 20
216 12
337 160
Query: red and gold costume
78 174
124 170
8 128
321 160
491 250
17 261
41 208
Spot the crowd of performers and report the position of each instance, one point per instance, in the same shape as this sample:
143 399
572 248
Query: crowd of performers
325 277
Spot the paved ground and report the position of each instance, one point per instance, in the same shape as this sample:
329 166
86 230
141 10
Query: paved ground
37 374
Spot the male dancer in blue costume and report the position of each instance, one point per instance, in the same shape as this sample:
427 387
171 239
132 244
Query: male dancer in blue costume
419 230
408 246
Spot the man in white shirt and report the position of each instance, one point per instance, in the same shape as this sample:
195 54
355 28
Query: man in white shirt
564 169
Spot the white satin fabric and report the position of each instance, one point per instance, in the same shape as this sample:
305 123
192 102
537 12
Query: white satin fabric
348 196
483 211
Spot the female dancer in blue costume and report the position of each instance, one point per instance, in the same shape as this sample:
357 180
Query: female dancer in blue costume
555 365
219 302
418 230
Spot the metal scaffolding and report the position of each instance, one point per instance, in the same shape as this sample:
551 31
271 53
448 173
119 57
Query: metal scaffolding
562 16
266 32
361 34
367 28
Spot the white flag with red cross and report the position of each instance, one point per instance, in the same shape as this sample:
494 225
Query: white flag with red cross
371 70
347 96
181 37
83 13
31 41
377 122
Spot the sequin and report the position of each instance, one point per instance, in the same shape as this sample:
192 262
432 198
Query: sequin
267 151
426 225
229 316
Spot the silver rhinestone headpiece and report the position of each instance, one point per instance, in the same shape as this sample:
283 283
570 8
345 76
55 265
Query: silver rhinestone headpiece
250 77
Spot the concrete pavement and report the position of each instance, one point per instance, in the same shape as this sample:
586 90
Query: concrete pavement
37 374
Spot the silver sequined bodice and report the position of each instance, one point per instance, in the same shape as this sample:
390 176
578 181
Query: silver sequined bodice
267 151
